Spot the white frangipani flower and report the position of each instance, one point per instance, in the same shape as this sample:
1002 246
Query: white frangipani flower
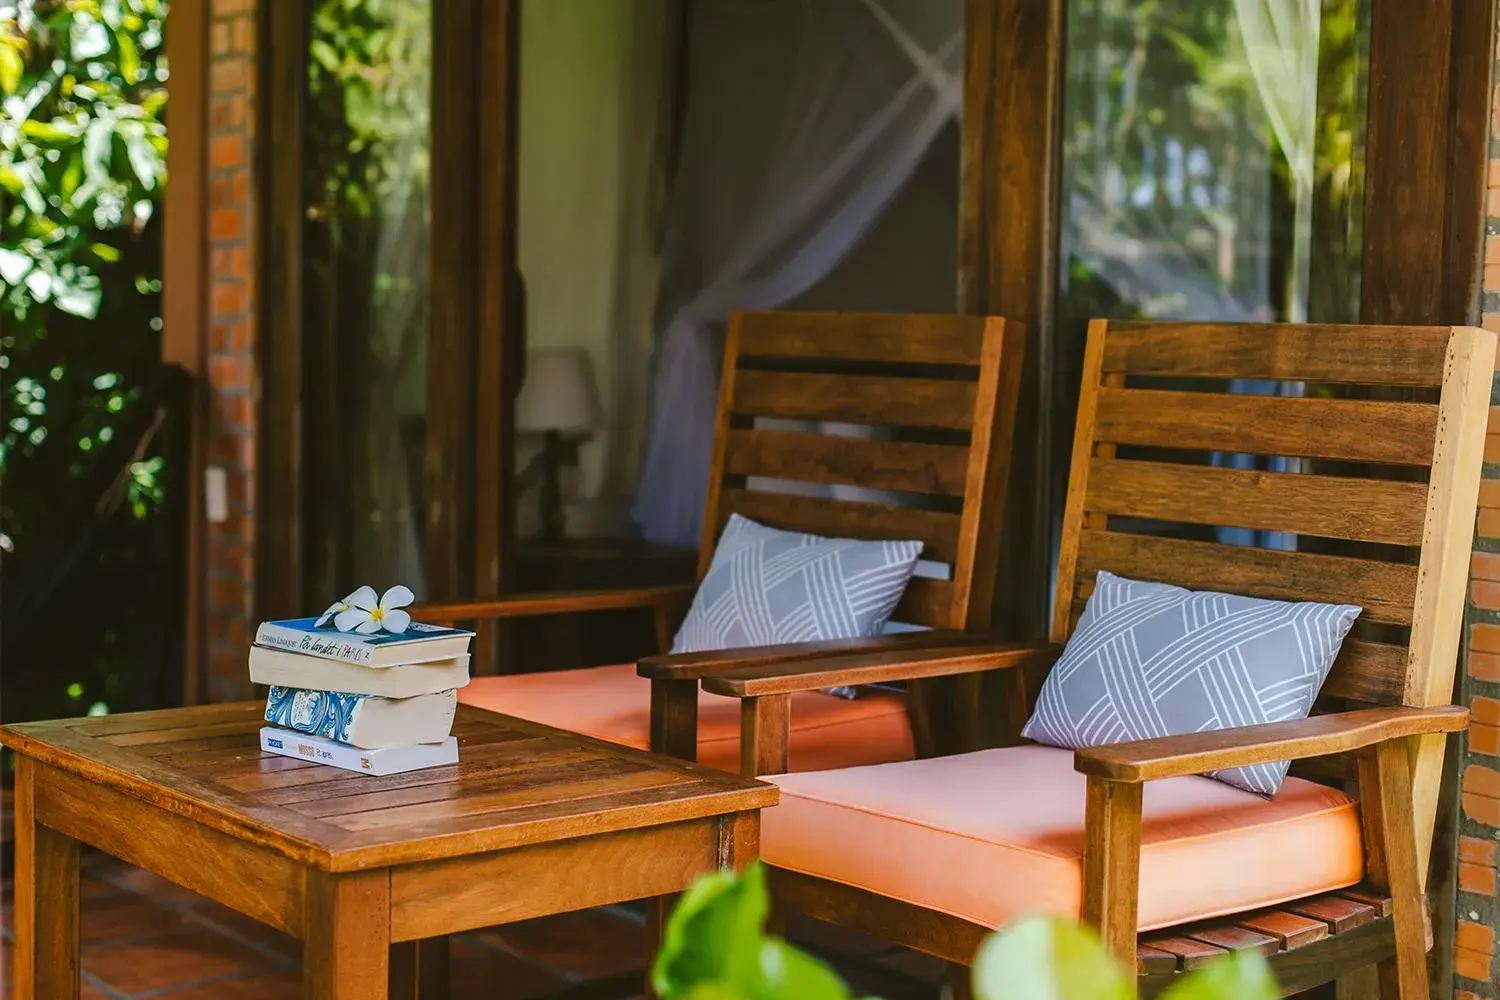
368 616
336 608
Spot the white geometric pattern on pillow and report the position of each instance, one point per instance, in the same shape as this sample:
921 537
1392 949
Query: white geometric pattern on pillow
1150 660
767 587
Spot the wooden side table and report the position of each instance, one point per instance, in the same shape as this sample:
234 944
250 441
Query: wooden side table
566 642
372 873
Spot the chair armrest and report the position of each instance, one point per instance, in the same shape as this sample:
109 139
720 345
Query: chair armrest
692 666
1317 736
553 603
899 665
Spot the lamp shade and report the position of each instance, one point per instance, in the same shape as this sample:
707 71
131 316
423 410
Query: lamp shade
559 393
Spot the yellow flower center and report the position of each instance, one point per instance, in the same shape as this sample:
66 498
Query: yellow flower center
377 615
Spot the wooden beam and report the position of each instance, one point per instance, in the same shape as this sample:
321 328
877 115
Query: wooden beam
453 314
279 563
185 300
500 350
1426 157
1008 226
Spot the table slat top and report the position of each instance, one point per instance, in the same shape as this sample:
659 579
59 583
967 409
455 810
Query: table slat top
516 783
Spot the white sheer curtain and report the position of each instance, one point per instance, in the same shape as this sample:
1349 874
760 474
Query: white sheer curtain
803 119
1281 43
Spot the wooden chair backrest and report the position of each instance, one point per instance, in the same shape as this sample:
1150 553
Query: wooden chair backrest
940 394
1401 478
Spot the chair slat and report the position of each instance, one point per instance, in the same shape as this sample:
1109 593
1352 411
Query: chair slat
1365 510
1369 672
877 401
925 602
1269 425
1292 930
1386 591
913 339
825 458
1364 355
1190 954
936 530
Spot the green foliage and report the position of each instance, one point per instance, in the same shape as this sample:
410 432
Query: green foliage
83 170
715 948
83 167
82 144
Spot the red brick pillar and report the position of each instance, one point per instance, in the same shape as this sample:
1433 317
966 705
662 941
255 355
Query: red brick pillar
233 384
1475 970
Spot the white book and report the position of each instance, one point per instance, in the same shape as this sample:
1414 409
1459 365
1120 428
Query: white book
388 760
314 673
363 720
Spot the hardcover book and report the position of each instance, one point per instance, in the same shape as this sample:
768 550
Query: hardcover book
419 643
366 721
406 680
390 760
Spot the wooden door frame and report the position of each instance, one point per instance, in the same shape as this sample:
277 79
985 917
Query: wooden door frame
184 306
475 335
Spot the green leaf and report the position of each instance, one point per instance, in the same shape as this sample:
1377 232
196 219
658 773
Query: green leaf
130 57
144 160
14 266
11 68
714 934
786 973
1237 976
55 132
1046 958
324 53
105 252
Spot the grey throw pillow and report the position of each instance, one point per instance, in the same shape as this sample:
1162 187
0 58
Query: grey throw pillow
1149 660
767 587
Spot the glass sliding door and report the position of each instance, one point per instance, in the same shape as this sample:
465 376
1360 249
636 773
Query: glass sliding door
1213 164
365 293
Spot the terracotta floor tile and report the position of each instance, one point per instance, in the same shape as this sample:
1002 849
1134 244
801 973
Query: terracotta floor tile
497 974
172 959
216 915
254 987
134 879
123 915
587 943
88 991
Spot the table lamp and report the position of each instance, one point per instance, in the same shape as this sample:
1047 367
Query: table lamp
559 400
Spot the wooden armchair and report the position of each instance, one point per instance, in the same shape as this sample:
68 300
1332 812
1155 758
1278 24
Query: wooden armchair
941 390
1172 868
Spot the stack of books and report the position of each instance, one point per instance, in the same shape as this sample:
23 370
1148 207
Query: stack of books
378 704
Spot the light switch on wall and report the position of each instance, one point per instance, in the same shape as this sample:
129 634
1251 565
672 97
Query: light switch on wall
216 494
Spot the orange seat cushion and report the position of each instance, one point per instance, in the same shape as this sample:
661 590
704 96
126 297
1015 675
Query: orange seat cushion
990 836
614 703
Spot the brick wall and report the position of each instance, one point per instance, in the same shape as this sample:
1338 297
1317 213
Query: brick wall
1476 971
232 380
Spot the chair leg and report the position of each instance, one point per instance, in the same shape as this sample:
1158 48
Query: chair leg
958 982
1112 864
1391 863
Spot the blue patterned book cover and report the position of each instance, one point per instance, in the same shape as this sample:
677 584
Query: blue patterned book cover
328 714
362 720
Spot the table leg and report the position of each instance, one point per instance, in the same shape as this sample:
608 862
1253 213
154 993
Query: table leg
419 969
346 936
46 900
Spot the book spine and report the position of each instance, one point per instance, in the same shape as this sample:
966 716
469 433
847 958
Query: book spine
293 640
